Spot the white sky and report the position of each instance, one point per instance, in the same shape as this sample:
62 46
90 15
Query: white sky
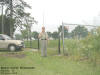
69 11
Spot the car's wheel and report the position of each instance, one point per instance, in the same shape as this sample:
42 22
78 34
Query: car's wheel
12 47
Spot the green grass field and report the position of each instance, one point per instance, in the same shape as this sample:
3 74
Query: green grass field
76 63
51 65
51 44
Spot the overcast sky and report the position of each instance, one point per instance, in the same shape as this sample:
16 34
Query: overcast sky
69 11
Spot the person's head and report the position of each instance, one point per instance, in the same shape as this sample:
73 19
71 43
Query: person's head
43 29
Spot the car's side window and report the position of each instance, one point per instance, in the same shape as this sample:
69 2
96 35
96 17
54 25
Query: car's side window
1 37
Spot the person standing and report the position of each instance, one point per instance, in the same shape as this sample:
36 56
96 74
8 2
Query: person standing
44 38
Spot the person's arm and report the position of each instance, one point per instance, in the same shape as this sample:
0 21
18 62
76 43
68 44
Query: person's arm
40 35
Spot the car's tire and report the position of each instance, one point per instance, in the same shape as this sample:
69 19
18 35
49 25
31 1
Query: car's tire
12 47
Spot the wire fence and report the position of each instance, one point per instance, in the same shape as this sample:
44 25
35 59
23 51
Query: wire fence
80 47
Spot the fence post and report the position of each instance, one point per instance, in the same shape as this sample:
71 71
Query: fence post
59 46
38 44
63 37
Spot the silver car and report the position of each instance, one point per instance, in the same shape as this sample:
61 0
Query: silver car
7 42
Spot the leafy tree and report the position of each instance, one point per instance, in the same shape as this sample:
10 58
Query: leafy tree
29 21
15 9
18 36
80 32
49 34
55 35
92 45
6 24
35 35
93 31
24 34
66 34
60 29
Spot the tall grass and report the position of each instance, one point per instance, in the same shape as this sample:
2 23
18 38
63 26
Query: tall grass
84 49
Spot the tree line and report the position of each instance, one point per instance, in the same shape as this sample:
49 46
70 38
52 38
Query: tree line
79 32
